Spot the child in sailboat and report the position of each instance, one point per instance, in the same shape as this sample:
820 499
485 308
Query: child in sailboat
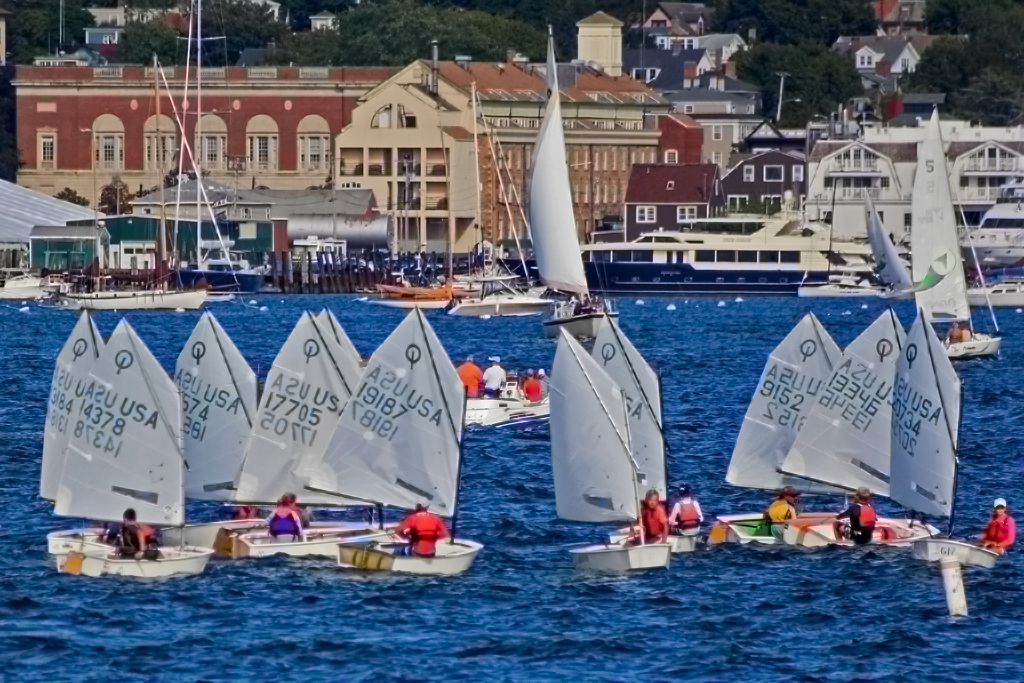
423 529
286 519
686 516
861 527
654 520
1001 531
137 540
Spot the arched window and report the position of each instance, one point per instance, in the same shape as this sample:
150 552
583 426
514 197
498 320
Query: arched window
671 156
213 150
261 133
382 119
314 144
160 139
108 143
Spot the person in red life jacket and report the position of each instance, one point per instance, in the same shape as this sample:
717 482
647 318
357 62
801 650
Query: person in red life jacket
1001 530
686 516
423 529
137 540
652 516
862 519
532 387
286 519
245 512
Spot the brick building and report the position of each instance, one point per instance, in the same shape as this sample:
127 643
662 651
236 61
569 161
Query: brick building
79 127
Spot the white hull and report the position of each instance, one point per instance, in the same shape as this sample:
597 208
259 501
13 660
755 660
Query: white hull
620 558
944 550
407 305
315 541
22 293
502 306
579 326
368 554
64 542
838 291
750 528
492 411
172 561
205 535
143 300
980 346
899 533
679 544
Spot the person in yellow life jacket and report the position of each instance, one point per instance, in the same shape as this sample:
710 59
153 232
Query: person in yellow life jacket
861 528
686 516
783 507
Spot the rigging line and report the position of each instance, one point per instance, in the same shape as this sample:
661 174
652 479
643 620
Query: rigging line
334 363
636 378
227 364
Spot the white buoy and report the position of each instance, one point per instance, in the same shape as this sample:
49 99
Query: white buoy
953 582
485 317
1020 310
24 303
179 310
252 302
739 299
264 308
670 307
721 303
639 302
24 309
847 313
863 306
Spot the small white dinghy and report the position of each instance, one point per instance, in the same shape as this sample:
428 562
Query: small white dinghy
398 444
129 406
980 346
596 476
315 541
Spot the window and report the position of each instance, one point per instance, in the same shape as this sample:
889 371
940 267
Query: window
773 174
600 256
748 257
726 257
671 156
748 174
263 152
313 152
685 213
705 256
738 202
768 256
907 218
905 65
883 182
645 214
382 119
110 152
159 151
670 185
789 256
687 108
798 173
716 158
246 212
214 147
716 132
47 150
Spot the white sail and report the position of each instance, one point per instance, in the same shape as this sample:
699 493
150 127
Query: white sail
303 397
348 360
934 244
590 458
926 419
397 443
889 268
125 450
218 404
552 221
628 369
793 379
846 439
74 362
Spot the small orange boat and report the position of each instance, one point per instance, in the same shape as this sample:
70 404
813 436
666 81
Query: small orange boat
413 297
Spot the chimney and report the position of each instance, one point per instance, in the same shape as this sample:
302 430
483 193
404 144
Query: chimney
510 56
434 67
599 39
729 68
463 61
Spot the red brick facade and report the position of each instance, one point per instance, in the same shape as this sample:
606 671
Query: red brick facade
683 135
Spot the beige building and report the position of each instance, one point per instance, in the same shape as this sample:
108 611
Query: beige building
411 141
600 42
4 15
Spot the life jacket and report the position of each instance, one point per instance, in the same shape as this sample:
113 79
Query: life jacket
688 518
424 533
997 531
130 538
282 523
779 511
654 523
867 515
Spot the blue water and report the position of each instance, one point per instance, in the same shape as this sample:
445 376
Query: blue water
521 613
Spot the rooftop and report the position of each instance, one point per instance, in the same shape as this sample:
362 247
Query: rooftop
671 183
24 209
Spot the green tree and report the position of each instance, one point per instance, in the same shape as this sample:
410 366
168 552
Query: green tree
298 12
944 67
115 197
317 48
69 195
795 21
141 40
35 30
817 79
243 24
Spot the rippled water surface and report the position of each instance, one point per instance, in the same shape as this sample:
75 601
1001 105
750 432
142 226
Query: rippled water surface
521 613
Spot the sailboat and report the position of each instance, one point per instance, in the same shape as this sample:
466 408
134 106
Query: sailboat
934 245
596 477
553 224
792 381
846 440
641 390
125 452
398 444
307 388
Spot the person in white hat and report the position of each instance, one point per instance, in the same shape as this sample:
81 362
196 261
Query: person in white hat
494 377
1001 531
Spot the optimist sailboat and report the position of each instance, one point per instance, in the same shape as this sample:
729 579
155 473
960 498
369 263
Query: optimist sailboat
124 453
70 378
596 476
846 440
556 245
306 389
792 381
934 245
399 444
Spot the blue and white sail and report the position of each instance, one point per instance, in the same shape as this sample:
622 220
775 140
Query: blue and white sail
218 406
792 381
925 424
70 375
125 449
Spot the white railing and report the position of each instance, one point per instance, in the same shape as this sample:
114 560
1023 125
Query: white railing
999 164
213 72
979 193
262 72
315 72
108 72
843 165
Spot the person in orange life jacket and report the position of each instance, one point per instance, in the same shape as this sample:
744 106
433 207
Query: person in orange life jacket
1001 530
652 516
862 519
137 540
423 530
686 516
285 520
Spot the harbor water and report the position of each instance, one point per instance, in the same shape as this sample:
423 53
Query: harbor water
521 613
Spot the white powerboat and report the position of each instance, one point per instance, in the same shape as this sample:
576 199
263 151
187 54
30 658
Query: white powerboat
498 297
581 320
842 286
25 287
1003 292
125 300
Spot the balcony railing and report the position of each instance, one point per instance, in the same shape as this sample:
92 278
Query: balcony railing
351 169
842 165
379 169
438 170
108 72
410 169
262 72
314 72
436 204
977 194
402 205
209 73
1001 164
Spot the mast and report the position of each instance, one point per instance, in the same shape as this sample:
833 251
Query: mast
196 148
161 246
476 166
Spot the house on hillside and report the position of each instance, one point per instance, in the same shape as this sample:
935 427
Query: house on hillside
882 60
681 140
668 196
666 70
762 180
684 18
322 21
767 137
900 17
